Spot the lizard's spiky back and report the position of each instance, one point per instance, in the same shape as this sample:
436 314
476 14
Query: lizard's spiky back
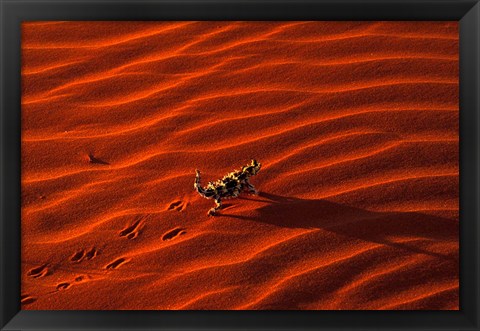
231 185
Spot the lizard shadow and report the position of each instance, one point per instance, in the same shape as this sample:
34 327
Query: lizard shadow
353 222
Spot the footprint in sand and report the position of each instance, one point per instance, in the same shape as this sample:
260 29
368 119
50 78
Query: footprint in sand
177 205
115 264
78 256
38 272
173 234
132 231
63 286
91 254
26 299
83 255
79 278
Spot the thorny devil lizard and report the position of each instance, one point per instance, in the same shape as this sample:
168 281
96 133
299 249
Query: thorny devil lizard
230 186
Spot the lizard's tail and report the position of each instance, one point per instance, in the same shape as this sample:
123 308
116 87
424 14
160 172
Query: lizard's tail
197 185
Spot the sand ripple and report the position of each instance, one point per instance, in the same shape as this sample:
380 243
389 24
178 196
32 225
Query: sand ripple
356 124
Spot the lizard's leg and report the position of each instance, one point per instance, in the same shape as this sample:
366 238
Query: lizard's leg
218 203
251 188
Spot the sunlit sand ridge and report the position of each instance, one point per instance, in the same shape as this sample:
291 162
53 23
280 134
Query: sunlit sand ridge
355 124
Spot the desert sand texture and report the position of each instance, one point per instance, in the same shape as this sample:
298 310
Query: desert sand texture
356 127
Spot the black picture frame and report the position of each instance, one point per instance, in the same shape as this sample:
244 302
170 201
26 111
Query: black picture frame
13 12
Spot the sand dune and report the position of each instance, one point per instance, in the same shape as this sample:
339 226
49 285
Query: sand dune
355 124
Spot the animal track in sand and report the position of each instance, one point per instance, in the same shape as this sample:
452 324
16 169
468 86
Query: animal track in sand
91 254
177 205
132 231
115 264
63 286
26 299
81 278
173 233
78 256
38 272
81 255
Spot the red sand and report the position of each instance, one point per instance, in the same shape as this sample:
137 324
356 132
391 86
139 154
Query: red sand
355 123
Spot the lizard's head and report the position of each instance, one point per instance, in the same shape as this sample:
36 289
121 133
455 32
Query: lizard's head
252 168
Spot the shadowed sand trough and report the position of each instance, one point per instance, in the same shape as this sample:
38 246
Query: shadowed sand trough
355 124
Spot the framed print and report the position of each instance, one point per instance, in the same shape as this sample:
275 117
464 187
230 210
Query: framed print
240 165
